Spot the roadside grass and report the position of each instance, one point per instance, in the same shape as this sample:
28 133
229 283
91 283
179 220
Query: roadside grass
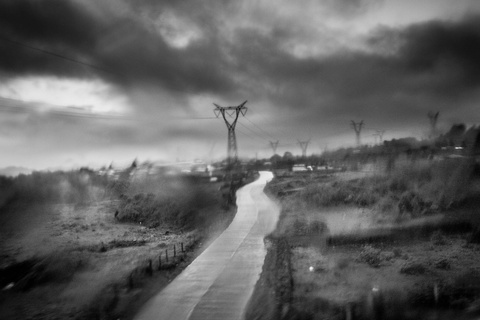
341 281
56 267
99 233
172 202
405 192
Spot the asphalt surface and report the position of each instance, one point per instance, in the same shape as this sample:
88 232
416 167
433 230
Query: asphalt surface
219 283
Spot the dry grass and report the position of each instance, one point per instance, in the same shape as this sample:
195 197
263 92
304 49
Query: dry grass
78 254
405 192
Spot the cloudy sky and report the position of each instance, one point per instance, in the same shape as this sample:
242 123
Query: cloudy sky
90 82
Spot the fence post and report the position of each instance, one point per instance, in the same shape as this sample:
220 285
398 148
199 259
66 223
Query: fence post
166 255
130 280
174 251
159 261
149 268
182 247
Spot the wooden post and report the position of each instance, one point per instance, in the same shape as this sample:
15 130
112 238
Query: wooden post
174 251
182 247
348 312
166 255
159 262
149 267
130 280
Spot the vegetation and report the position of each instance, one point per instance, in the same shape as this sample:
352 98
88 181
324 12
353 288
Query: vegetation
78 187
173 201
71 229
408 191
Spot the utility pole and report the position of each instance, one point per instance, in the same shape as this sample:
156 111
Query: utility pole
357 127
433 118
232 112
274 145
304 145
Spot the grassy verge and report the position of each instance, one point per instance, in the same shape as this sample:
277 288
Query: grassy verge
416 274
78 246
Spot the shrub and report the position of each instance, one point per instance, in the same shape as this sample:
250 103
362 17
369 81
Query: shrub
56 267
374 257
317 227
438 238
413 268
300 227
443 264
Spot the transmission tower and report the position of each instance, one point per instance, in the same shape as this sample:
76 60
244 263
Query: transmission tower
274 145
379 134
232 112
304 145
357 127
433 118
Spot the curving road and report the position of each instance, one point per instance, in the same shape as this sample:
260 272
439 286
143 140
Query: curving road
218 284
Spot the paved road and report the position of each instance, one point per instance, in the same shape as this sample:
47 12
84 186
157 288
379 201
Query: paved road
218 284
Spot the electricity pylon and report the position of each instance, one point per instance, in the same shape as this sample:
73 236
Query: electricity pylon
274 145
232 112
304 145
433 118
379 134
357 127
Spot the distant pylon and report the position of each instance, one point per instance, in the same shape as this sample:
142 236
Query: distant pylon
274 145
379 134
233 112
304 145
357 127
433 118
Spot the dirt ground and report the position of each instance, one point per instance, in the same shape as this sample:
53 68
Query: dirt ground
419 275
87 265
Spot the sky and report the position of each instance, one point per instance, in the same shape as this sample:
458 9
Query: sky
91 82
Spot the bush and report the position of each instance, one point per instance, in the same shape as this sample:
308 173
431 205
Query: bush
173 201
374 257
413 268
409 190
443 264
74 187
300 227
438 238
56 267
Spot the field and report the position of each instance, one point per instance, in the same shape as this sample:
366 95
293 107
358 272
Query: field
76 245
396 245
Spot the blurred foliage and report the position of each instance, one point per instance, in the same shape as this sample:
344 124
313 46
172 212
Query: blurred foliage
167 200
409 191
77 187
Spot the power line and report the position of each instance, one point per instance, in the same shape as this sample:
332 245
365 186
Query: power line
245 134
57 55
268 134
252 131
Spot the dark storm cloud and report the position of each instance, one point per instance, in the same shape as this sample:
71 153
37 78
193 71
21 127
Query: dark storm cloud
129 50
403 74
453 46
60 26
428 65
